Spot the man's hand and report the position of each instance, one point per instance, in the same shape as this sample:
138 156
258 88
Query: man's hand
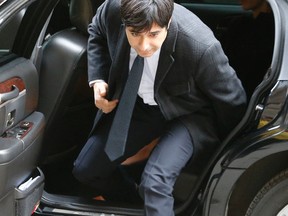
100 92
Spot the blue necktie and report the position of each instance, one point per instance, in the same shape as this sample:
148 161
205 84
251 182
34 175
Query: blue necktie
115 145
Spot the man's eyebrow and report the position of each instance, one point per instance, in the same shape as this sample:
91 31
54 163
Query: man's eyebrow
155 32
139 32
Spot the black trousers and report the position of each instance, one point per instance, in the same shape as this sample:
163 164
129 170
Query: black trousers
171 154
94 168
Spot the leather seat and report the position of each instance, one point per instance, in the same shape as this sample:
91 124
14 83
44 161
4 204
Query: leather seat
65 98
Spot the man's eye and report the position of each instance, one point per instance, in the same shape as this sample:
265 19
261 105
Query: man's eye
153 35
134 34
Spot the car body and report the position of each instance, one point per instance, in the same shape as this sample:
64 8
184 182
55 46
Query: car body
47 111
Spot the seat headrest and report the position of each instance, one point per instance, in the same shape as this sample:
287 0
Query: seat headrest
82 11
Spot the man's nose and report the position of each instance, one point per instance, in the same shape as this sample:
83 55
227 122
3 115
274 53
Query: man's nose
143 44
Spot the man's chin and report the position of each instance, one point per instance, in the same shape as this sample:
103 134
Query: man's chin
145 54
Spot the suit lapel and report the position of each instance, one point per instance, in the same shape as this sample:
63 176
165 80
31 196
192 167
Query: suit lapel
120 65
166 59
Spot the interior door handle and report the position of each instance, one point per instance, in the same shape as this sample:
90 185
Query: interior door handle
9 95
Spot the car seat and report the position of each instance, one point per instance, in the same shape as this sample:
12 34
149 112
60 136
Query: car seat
65 97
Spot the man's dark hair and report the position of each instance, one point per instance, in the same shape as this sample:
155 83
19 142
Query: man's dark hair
141 14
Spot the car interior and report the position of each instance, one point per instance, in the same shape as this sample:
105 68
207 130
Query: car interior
64 110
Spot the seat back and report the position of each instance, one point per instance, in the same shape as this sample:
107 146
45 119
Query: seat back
65 97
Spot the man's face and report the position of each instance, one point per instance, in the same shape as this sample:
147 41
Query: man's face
146 43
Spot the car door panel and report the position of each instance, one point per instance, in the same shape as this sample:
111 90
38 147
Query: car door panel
19 155
21 132
23 74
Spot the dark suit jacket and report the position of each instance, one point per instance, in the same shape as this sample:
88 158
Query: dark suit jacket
194 81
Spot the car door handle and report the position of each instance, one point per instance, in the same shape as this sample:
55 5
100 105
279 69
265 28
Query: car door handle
9 95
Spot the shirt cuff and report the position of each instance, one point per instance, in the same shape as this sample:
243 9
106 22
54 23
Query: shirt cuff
91 83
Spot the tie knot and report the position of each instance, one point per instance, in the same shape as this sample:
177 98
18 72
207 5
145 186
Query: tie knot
139 58
138 64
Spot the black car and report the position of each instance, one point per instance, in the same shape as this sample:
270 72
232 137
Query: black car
47 110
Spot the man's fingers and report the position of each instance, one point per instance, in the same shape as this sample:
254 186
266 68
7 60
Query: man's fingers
102 90
107 106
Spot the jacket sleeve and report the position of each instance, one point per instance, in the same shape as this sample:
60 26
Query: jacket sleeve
98 55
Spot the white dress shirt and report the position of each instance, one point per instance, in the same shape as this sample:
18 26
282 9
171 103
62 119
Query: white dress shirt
146 88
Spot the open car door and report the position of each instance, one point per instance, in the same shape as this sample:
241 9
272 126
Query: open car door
21 126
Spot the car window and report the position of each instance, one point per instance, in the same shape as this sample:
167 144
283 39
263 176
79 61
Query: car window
8 32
